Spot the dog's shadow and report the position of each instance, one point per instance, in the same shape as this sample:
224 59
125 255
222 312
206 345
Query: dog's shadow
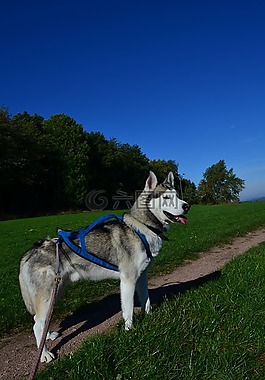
95 313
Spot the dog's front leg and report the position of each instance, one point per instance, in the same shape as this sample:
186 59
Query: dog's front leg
127 287
142 291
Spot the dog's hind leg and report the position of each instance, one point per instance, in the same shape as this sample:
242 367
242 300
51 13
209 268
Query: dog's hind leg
142 292
40 318
127 287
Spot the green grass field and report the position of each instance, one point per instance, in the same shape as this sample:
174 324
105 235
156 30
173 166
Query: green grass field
208 226
212 332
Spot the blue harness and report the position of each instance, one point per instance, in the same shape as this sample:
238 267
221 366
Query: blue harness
69 238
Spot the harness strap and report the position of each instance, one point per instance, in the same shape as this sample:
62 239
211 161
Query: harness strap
145 243
70 238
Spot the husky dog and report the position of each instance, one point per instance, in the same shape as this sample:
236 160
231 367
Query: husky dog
116 242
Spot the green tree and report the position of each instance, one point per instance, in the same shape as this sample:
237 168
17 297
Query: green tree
26 165
114 166
50 165
189 191
69 142
128 166
161 168
219 185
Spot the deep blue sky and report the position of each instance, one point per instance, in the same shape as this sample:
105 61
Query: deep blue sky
184 80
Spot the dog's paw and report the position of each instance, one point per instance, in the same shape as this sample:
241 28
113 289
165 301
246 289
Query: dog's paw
47 357
52 335
128 326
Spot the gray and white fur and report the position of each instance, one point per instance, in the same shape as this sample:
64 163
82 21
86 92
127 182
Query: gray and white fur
116 242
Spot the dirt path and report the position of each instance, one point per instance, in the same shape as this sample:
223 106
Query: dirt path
17 351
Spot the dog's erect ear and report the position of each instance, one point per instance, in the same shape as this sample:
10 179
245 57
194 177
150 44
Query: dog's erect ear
169 181
151 182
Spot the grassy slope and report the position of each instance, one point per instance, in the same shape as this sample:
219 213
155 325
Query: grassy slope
213 332
208 226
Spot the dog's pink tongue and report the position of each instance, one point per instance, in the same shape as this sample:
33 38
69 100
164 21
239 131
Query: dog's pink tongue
183 220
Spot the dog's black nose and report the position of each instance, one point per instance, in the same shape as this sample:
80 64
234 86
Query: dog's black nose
186 207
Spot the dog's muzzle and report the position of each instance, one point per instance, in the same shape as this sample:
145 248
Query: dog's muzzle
179 218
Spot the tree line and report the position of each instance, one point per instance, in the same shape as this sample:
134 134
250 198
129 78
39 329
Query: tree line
53 165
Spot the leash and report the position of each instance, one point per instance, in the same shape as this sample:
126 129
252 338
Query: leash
57 280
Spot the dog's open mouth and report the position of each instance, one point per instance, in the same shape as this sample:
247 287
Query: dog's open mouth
176 218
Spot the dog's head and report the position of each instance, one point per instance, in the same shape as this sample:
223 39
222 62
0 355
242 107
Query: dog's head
163 201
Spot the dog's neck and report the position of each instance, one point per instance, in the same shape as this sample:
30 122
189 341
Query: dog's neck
147 218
